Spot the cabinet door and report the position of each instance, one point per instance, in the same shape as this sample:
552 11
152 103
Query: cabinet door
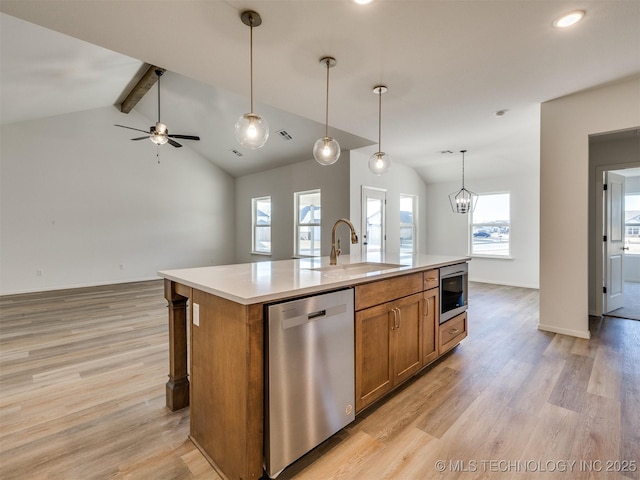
429 326
373 353
406 315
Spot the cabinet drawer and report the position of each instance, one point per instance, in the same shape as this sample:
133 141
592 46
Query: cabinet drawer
431 279
383 291
452 332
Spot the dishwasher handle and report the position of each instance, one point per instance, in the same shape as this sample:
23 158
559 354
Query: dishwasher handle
318 314
306 317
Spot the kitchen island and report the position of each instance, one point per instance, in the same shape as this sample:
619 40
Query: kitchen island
226 306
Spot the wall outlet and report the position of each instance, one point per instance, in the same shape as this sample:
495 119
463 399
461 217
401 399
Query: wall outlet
39 272
196 314
122 266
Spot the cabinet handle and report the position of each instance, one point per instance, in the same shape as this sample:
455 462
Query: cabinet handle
426 309
398 317
393 325
453 331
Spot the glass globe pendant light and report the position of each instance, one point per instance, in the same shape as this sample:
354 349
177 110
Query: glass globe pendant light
326 150
252 131
379 162
463 201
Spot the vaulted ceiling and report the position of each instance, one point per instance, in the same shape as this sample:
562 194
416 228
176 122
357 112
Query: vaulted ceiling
449 66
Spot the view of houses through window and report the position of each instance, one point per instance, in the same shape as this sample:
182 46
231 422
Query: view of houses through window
261 218
632 223
307 228
408 207
491 225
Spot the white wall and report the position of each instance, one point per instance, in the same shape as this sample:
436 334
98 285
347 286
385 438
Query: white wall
566 124
448 232
399 180
79 199
281 183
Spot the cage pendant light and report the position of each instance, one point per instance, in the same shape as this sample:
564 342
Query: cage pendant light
326 150
463 201
379 162
252 131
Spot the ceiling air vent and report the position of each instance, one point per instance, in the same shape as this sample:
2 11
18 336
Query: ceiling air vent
284 135
236 152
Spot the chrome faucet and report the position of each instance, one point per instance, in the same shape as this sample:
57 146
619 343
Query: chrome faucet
335 253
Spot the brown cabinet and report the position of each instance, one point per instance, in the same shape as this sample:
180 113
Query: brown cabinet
388 347
397 332
430 320
452 332
431 279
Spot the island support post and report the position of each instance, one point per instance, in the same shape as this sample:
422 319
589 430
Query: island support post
177 388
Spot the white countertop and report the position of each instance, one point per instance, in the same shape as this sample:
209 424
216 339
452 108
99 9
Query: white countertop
249 283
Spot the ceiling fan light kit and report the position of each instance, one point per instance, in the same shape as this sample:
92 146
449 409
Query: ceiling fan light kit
159 134
326 150
463 201
252 131
379 162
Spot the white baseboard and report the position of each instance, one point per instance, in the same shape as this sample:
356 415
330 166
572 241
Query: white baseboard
507 284
565 331
84 285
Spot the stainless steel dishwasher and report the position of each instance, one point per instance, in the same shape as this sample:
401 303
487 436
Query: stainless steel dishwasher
310 388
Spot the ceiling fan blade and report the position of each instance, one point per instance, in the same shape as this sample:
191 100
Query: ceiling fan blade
174 143
131 128
186 137
141 138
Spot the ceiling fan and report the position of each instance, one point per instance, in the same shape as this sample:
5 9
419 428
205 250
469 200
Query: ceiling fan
159 133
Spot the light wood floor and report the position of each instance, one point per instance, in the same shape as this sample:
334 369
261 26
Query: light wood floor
82 397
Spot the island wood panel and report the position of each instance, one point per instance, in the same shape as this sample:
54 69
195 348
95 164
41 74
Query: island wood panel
386 290
227 385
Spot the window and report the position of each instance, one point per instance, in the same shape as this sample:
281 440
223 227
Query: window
408 206
491 225
307 224
261 219
632 223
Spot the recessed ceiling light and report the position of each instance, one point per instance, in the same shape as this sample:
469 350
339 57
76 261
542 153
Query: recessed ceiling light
362 2
568 19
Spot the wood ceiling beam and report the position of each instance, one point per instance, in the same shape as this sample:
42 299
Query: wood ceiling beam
138 91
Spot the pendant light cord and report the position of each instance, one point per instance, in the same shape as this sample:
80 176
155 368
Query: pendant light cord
251 59
326 116
462 151
379 120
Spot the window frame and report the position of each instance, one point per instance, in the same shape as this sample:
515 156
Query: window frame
255 225
413 225
297 225
473 224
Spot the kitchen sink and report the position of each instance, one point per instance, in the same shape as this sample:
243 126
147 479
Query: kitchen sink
357 268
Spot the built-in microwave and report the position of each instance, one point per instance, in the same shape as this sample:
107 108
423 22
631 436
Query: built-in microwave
454 284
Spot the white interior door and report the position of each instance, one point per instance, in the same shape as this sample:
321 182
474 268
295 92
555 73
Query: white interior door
614 242
374 201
